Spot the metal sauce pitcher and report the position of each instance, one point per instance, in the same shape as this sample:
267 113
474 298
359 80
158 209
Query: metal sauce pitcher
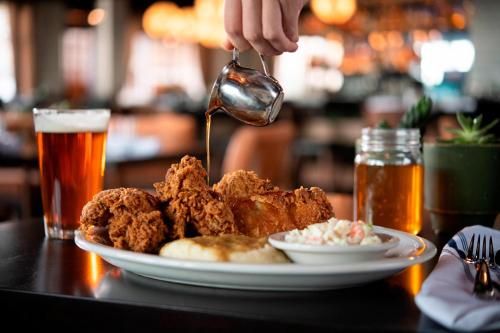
247 94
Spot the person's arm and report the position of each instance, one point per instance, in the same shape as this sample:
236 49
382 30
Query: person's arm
269 26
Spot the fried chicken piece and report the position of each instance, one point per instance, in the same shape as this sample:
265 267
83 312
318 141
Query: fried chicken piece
126 218
261 209
309 206
191 205
242 184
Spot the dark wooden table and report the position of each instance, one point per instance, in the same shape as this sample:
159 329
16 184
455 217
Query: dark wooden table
51 283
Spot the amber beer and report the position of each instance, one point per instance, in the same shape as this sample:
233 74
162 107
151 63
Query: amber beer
390 195
71 150
388 179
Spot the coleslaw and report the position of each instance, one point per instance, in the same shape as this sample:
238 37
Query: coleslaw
335 232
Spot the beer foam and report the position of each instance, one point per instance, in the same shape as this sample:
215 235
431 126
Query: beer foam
51 121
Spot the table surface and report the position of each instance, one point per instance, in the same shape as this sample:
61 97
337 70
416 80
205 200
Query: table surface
52 281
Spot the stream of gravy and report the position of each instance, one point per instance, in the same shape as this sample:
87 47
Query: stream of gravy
212 108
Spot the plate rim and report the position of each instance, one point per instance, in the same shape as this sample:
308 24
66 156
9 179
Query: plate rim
384 264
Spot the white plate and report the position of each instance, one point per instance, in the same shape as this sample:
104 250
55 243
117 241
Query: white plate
333 254
411 250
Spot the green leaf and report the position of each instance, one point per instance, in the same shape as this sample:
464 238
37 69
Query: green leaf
384 125
418 115
455 131
486 139
488 127
471 131
463 121
476 122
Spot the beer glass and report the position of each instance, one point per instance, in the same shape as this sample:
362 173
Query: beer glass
71 155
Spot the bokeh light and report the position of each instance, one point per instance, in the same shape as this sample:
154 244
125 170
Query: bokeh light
333 11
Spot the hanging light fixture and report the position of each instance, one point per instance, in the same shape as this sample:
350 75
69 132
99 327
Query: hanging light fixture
209 9
210 22
201 23
333 11
158 17
96 16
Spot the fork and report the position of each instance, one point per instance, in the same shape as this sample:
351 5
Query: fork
483 284
472 258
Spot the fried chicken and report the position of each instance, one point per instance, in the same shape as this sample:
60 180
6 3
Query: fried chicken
261 209
126 218
242 184
185 206
190 204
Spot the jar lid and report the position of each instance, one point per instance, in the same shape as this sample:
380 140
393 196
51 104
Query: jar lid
382 138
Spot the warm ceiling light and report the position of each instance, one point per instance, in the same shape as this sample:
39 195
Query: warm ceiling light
210 22
157 18
395 39
458 20
377 41
201 23
209 9
96 16
420 36
333 11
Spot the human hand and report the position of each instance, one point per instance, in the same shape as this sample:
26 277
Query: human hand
269 26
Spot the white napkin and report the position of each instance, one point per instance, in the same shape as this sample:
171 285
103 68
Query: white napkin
446 295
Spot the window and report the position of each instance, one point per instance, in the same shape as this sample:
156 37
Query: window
155 64
78 60
7 75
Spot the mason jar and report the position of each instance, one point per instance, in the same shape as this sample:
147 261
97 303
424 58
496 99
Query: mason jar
388 179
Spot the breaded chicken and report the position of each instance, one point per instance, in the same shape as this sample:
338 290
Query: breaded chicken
126 218
261 209
242 184
190 204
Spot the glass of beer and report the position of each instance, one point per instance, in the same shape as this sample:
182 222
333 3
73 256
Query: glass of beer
71 155
388 179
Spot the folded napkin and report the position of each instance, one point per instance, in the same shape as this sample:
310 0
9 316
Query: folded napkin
446 295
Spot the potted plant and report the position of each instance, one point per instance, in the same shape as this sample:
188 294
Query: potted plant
462 177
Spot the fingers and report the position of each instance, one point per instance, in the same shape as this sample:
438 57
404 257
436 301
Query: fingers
269 26
233 25
272 27
227 45
252 27
291 11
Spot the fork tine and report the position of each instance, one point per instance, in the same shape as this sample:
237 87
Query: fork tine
470 250
483 255
476 257
492 254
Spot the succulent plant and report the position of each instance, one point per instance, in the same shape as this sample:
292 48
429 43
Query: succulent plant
471 131
384 124
416 117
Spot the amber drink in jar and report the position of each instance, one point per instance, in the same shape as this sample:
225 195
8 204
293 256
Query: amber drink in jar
388 180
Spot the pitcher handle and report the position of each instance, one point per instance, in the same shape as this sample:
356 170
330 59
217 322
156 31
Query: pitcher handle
236 55
263 62
236 58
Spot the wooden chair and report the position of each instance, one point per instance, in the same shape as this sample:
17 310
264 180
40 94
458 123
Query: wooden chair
176 135
15 191
266 150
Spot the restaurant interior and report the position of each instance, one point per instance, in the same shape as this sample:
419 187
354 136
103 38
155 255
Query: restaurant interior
391 113
153 64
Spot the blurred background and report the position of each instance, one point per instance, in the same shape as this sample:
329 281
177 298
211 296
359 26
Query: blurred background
153 64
